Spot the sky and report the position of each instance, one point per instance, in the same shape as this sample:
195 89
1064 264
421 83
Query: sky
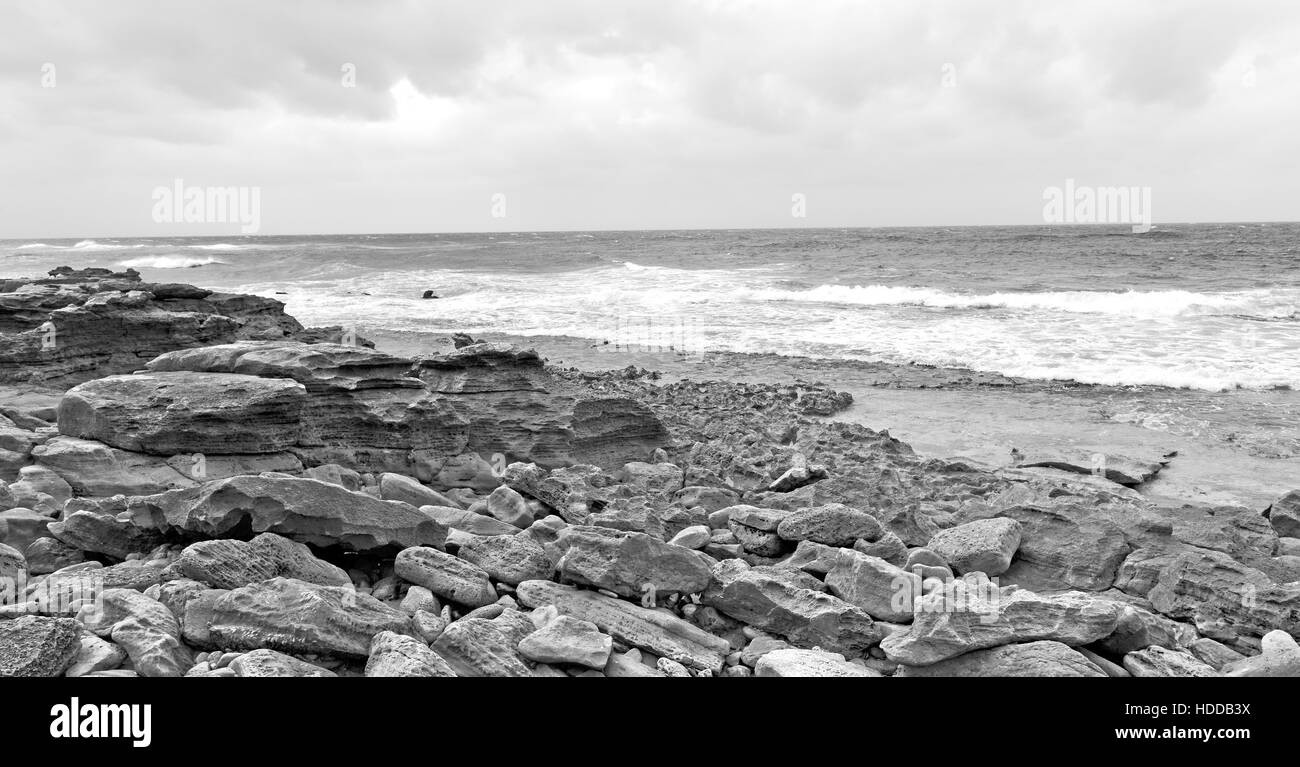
387 116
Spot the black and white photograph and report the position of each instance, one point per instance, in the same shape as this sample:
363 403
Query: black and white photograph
686 338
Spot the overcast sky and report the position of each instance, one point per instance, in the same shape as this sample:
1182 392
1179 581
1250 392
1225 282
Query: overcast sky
617 115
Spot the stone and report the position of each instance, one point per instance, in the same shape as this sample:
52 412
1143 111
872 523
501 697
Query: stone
1138 629
1067 546
19 527
297 617
418 599
625 562
924 557
790 603
650 478
883 591
656 631
793 662
13 565
693 537
711 499
760 646
833 524
398 655
269 663
153 653
399 487
1042 658
34 645
508 559
672 668
468 521
811 557
334 474
889 548
1162 662
1214 654
507 505
304 510
183 412
430 625
45 555
568 640
960 618
476 647
1279 657
95 654
1284 515
985 545
229 564
104 528
93 468
446 576
1222 597
629 665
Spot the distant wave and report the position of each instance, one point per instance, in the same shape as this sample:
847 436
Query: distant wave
1159 303
170 262
218 246
34 246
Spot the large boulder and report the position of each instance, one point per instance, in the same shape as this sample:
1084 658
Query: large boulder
985 545
171 413
297 617
229 564
446 576
1043 658
37 646
304 510
627 563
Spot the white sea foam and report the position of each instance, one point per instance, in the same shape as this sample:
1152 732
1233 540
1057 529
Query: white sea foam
169 262
1133 303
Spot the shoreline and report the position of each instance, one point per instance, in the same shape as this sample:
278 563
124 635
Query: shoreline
1233 447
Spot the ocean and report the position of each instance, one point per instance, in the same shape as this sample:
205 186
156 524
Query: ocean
1198 306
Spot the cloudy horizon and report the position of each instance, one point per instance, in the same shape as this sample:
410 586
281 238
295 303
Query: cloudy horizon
446 117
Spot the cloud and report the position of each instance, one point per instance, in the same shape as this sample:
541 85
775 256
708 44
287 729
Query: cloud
593 114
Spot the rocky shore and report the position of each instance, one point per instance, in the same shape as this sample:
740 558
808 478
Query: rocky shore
193 484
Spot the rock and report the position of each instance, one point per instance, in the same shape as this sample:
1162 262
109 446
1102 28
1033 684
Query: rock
468 521
1284 515
13 565
1069 546
1030 659
418 599
629 664
107 323
1138 629
808 663
985 545
575 492
672 668
924 557
400 655
796 477
711 499
170 413
655 631
1110 668
334 474
153 653
429 625
1162 662
229 564
446 576
19 527
398 487
625 562
756 529
507 505
304 510
883 591
1223 597
1121 469
92 468
650 478
476 647
889 548
694 537
103 528
833 524
1214 654
760 646
811 557
94 654
1279 657
786 602
507 558
297 617
959 619
570 641
269 663
45 555
35 482
116 605
37 646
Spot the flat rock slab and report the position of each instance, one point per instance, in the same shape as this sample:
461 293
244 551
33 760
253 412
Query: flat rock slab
446 576
269 663
399 655
626 562
959 619
658 632
568 640
792 662
305 510
171 413
1028 659
297 617
229 564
